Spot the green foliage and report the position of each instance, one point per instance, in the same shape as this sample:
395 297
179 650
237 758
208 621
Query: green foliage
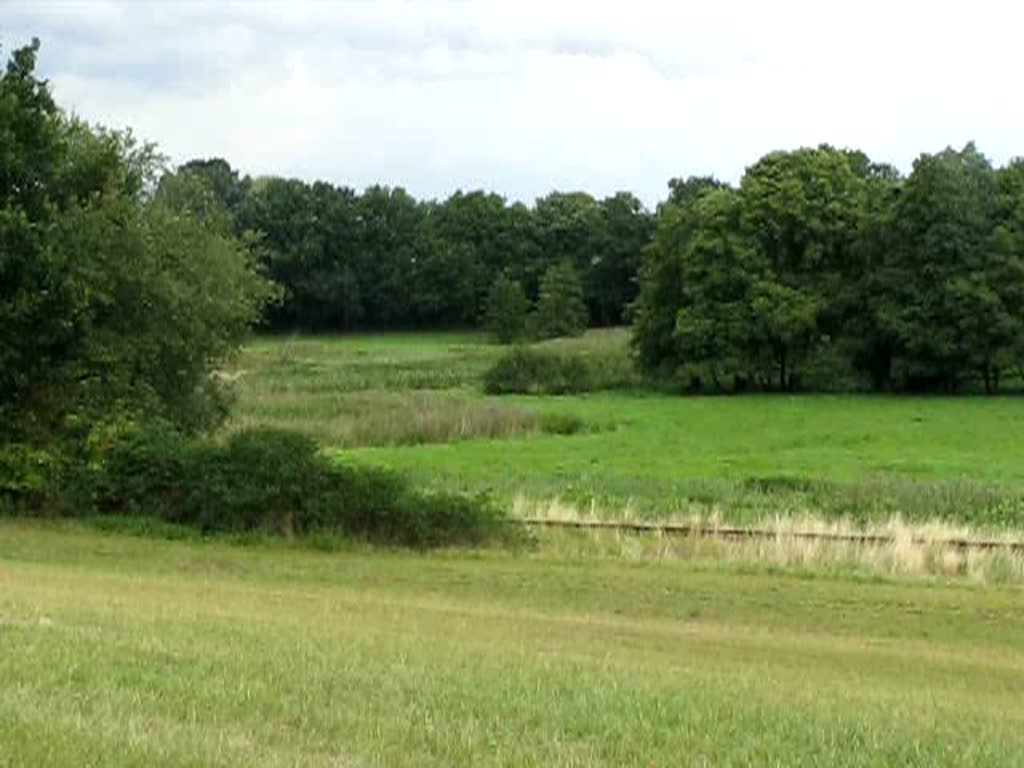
562 424
715 333
507 310
536 372
952 300
26 477
560 307
381 259
278 481
656 309
229 190
116 299
826 271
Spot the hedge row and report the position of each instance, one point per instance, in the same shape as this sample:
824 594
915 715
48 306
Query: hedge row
263 479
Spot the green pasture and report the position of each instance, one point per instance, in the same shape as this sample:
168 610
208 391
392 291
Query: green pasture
414 402
116 650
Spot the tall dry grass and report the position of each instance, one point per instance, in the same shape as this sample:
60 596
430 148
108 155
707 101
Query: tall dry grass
387 418
909 549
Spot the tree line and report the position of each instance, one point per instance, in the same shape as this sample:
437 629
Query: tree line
820 270
823 270
125 284
383 259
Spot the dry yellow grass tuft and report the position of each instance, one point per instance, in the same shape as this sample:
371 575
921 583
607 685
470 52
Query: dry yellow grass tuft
894 547
377 417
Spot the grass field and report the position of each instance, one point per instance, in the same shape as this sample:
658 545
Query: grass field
116 650
570 649
413 402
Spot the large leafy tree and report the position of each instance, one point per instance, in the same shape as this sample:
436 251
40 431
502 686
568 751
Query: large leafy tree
721 276
950 299
227 187
467 246
804 211
1007 269
662 285
114 299
610 278
308 239
390 243
565 226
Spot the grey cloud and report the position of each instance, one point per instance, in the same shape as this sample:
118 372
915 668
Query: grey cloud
523 97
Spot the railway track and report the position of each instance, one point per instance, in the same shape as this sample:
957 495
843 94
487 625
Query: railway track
740 533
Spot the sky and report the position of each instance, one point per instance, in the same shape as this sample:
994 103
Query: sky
524 97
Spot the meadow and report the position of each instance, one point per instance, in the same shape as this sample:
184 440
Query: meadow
414 402
125 641
124 650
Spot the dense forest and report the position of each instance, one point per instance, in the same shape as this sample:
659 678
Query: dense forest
826 271
383 259
821 270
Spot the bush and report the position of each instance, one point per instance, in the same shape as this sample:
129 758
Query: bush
25 477
43 481
561 424
278 481
146 471
533 372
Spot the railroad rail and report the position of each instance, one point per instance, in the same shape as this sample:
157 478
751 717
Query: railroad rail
739 533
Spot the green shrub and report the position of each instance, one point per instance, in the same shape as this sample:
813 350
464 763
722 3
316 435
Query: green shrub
278 481
533 372
561 424
43 481
25 475
260 479
146 471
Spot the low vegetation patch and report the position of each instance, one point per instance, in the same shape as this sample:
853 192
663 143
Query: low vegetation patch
257 480
888 547
390 418
550 370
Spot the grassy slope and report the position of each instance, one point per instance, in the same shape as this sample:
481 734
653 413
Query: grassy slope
123 651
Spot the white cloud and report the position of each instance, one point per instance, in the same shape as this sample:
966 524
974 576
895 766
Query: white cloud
526 97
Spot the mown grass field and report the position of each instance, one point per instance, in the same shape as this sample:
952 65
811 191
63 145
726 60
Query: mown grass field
414 402
118 650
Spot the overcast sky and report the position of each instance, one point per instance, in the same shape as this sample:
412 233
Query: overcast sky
525 97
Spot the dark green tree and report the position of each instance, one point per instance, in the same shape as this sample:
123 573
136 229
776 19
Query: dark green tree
610 279
561 310
507 310
945 299
716 334
308 239
116 301
661 277
467 248
391 242
229 190
804 211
